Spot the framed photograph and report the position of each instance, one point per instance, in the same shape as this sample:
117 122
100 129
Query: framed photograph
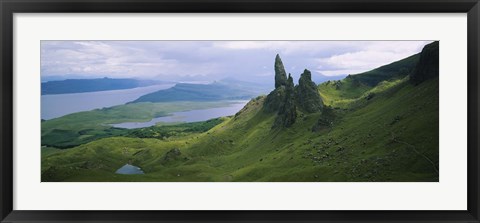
239 111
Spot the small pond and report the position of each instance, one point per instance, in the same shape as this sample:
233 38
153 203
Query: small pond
129 169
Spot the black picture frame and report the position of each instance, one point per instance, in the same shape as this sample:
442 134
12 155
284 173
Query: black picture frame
9 7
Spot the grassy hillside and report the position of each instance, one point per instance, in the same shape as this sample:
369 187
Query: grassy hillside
395 70
390 137
341 92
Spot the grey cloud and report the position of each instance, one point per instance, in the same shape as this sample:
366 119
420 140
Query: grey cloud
213 60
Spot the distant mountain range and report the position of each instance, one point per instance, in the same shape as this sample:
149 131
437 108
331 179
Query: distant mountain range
227 89
57 85
89 85
320 78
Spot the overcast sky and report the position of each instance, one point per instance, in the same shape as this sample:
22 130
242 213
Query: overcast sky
215 60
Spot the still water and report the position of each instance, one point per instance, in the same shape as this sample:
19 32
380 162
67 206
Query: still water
57 105
129 169
188 116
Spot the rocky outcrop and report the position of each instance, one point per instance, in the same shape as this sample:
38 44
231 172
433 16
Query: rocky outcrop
286 97
288 111
171 155
325 121
276 98
428 64
280 74
306 94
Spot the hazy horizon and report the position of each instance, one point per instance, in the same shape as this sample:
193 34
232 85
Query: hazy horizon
208 61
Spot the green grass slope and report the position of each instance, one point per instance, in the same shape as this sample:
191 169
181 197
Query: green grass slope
392 136
341 92
395 70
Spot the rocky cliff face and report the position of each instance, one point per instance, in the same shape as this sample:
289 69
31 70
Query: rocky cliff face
288 111
286 97
306 94
428 64
275 99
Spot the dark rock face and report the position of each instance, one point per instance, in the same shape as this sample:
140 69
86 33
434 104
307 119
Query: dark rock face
306 94
428 64
276 98
285 99
280 74
288 111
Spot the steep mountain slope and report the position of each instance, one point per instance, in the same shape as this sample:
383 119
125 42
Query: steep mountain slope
390 136
394 70
342 92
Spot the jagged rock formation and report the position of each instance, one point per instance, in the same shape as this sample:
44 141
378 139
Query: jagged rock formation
280 74
288 111
428 64
306 94
286 96
276 98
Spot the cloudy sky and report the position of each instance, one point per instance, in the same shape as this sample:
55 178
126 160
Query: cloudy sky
215 60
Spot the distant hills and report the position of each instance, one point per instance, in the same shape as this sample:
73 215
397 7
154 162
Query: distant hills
227 89
89 85
320 78
251 88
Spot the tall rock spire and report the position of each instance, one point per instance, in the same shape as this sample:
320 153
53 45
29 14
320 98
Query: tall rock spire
280 74
276 98
306 94
286 97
